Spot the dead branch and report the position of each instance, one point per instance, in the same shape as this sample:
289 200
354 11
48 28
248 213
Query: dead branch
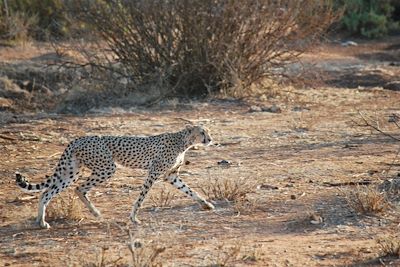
201 47
364 182
376 127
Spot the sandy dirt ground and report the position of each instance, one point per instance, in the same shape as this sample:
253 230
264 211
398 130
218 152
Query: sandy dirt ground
293 215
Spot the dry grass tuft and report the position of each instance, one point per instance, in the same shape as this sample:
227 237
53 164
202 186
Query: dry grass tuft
162 199
65 207
367 200
103 260
247 205
144 254
389 246
254 255
228 189
226 255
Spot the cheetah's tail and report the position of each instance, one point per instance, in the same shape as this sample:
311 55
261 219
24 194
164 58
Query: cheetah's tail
28 187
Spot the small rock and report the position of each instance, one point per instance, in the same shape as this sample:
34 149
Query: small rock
187 162
273 109
267 187
297 109
5 102
348 43
293 197
394 86
224 163
255 109
316 219
350 146
393 118
263 97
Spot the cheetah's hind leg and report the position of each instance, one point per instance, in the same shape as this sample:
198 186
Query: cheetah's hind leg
60 181
100 156
82 191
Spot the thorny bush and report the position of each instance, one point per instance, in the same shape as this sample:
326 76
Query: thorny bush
200 48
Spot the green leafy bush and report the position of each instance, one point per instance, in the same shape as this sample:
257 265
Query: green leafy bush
37 19
369 18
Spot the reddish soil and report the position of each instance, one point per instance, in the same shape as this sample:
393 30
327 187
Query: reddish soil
314 143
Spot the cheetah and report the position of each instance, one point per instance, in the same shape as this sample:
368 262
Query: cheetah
161 155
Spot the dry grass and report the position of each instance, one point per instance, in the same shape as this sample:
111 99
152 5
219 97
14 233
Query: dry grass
389 246
144 254
254 255
162 198
246 205
103 260
367 200
227 189
226 255
18 27
65 207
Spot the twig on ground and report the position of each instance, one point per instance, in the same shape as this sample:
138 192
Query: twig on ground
364 182
376 127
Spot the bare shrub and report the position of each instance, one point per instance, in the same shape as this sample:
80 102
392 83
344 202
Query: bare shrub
228 189
246 205
389 246
102 260
376 123
391 187
367 200
197 48
226 255
253 254
65 207
144 254
162 199
18 27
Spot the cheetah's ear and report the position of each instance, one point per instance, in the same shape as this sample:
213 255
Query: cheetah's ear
189 127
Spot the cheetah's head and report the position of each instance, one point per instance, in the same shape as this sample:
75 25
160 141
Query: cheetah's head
198 135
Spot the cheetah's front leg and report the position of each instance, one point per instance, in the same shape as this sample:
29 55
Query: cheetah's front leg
177 182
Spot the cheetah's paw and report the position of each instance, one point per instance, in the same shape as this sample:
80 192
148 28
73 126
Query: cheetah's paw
134 220
44 225
207 205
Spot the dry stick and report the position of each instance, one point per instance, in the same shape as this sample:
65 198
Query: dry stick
392 164
377 128
396 123
384 133
364 182
6 137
